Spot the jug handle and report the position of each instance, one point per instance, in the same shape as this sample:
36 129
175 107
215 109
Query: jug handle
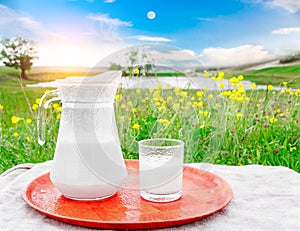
42 114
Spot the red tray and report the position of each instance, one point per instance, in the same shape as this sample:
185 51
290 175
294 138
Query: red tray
203 194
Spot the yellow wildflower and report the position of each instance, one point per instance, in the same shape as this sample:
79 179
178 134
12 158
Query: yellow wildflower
156 93
133 110
253 86
234 81
16 134
177 90
163 107
240 85
206 74
200 104
258 105
58 116
136 126
281 115
204 113
239 115
38 100
59 109
35 106
241 90
1 107
118 97
240 77
226 93
15 119
122 118
221 85
47 90
200 93
159 86
270 88
136 71
169 98
288 90
28 138
210 96
284 83
138 91
176 106
164 121
183 94
169 86
293 149
123 105
155 99
221 74
151 90
28 121
55 105
202 125
273 120
282 91
297 93
181 100
129 103
193 98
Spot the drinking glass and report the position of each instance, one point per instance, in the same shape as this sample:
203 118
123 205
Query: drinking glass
161 167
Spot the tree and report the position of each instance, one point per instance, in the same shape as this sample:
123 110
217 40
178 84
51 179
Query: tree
18 53
114 66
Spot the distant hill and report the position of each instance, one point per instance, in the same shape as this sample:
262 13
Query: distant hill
281 62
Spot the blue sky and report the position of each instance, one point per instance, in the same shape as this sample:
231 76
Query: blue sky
217 32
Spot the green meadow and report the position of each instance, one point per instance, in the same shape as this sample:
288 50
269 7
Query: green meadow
237 127
275 75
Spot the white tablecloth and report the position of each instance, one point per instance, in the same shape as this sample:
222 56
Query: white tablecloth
264 198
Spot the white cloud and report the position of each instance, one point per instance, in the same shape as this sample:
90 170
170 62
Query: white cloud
287 30
14 24
236 56
109 1
190 52
152 38
3 7
292 6
61 49
204 19
104 19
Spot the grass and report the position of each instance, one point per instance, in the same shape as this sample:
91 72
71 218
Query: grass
274 75
235 127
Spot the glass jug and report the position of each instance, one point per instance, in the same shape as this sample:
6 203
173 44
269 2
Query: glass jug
88 162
